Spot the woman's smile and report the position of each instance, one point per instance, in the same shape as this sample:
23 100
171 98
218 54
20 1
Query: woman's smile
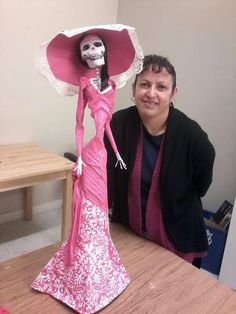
153 92
149 104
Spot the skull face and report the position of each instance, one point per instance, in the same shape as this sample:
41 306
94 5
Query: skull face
92 51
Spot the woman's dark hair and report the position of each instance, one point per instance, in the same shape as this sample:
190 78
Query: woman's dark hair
157 64
104 69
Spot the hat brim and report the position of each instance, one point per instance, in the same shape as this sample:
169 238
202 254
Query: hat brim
124 55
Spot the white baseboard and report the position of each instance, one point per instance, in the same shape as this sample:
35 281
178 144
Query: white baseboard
38 209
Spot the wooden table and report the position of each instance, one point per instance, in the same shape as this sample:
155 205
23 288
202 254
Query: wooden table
161 283
26 165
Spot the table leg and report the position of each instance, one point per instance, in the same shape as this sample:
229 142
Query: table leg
28 203
66 206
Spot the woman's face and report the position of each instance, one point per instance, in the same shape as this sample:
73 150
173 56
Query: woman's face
153 93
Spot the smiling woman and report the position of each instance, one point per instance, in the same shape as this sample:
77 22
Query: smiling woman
169 162
153 92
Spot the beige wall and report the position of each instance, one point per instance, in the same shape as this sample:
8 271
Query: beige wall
199 37
30 109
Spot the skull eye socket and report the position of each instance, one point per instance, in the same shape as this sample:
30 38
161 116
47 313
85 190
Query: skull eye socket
85 47
97 43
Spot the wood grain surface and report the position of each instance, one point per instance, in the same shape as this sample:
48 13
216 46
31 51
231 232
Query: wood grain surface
26 165
161 282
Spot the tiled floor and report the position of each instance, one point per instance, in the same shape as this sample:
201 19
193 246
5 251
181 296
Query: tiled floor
19 237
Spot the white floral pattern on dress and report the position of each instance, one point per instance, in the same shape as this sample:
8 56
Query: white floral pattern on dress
96 275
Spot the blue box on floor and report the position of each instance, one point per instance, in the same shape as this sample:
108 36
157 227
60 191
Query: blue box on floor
216 236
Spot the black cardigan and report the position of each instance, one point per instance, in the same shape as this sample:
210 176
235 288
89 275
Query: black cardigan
186 174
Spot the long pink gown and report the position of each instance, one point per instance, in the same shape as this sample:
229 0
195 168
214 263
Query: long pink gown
86 272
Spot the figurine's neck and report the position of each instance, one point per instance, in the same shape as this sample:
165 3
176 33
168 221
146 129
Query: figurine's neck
96 81
98 78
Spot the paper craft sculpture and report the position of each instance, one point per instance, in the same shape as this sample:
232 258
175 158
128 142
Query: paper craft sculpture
86 272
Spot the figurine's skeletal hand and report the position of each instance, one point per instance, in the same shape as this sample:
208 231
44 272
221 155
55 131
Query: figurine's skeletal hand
79 165
120 162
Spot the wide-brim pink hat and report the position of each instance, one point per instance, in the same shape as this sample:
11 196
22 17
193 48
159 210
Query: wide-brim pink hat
59 62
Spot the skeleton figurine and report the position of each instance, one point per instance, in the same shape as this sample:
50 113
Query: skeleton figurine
93 52
86 272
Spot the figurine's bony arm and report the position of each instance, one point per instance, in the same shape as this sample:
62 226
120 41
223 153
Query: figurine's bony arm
79 165
120 162
113 144
80 130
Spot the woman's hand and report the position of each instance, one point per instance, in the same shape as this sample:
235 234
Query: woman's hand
120 162
79 165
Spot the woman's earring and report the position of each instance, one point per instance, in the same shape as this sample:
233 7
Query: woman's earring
132 98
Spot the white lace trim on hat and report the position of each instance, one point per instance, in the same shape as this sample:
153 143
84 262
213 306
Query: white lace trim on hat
66 89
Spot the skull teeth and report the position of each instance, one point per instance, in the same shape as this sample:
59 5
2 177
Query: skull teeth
95 57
